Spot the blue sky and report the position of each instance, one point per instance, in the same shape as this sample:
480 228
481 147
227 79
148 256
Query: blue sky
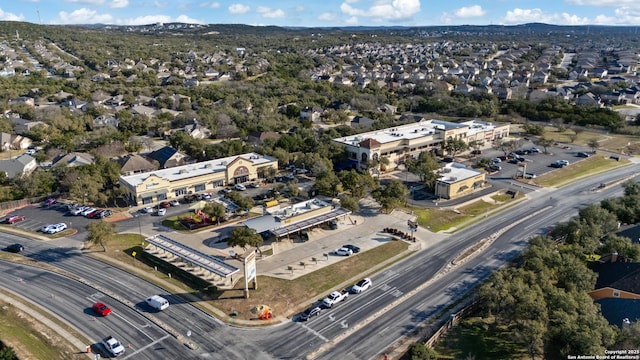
324 12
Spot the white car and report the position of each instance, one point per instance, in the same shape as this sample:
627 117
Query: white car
147 210
240 187
113 346
343 252
54 229
87 211
361 285
45 229
496 160
78 210
162 212
174 203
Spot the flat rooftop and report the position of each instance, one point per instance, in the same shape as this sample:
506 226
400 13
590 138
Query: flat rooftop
416 130
197 169
283 212
455 172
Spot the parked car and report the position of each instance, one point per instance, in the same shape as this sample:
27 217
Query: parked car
534 150
113 346
476 152
559 163
94 214
310 312
49 202
77 210
343 252
54 229
45 229
15 218
165 204
493 168
105 213
162 212
254 185
146 210
101 309
354 249
496 160
15 248
88 211
583 154
174 203
240 187
361 285
529 176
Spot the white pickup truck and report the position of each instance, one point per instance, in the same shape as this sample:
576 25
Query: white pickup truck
113 346
335 297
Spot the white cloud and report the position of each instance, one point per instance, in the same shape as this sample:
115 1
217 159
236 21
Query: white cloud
523 16
212 5
83 16
87 2
7 16
87 16
469 12
239 9
327 16
351 1
159 5
607 3
352 21
118 4
623 16
384 9
270 13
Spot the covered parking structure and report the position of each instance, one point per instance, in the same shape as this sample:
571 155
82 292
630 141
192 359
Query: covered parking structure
193 261
272 224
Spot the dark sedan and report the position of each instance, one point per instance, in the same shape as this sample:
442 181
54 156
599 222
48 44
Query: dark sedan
15 248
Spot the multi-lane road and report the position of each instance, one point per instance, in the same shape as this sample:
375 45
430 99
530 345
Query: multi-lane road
404 295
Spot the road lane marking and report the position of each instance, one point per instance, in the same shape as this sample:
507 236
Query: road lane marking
136 326
147 346
314 332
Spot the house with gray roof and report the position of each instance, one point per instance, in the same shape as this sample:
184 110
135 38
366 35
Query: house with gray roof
18 166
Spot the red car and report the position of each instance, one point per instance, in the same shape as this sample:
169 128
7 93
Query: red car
165 204
15 218
101 309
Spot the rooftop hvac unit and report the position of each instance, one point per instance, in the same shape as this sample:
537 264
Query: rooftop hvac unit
446 169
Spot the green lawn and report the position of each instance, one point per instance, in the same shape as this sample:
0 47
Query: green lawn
439 218
580 169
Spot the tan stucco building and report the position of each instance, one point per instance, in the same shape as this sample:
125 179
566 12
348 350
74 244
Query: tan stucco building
402 142
166 184
457 180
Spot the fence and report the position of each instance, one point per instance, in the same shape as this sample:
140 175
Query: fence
450 323
15 204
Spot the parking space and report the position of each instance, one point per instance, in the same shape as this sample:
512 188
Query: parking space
37 217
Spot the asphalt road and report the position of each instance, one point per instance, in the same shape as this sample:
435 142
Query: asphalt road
339 331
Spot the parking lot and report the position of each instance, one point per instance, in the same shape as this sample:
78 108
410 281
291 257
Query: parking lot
37 216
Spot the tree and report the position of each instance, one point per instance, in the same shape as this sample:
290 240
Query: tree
545 143
349 203
392 195
533 129
358 184
100 232
215 210
593 144
425 167
243 236
506 146
454 146
419 351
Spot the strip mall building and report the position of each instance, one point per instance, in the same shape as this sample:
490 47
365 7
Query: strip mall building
175 182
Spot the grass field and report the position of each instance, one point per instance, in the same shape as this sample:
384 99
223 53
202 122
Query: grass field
578 170
30 339
439 219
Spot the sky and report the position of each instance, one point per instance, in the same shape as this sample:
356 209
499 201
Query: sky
324 13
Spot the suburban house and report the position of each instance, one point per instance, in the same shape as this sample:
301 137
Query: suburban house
311 113
73 159
361 122
22 126
134 164
171 183
14 142
18 166
617 290
457 180
167 157
258 137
